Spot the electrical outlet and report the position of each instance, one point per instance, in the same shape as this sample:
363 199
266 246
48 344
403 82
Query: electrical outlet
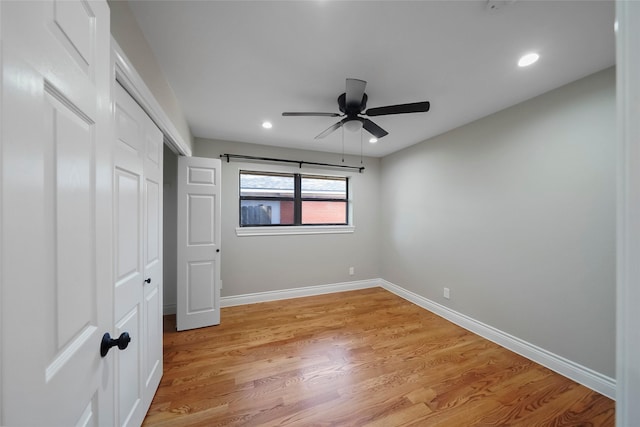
352 271
446 293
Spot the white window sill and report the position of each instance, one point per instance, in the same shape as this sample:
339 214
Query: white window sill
283 231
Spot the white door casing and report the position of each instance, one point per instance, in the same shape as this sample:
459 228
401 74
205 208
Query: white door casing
198 288
137 204
56 213
628 223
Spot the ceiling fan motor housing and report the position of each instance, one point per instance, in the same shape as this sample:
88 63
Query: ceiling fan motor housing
352 109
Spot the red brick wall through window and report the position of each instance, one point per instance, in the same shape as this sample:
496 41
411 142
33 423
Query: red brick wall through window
324 212
315 212
286 213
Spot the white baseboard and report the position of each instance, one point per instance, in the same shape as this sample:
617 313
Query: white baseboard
169 309
297 292
576 372
286 294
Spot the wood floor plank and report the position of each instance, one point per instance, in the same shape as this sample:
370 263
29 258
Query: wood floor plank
359 358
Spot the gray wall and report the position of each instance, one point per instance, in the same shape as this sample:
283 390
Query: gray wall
170 231
515 213
267 263
125 30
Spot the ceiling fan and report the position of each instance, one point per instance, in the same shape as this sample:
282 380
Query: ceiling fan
352 104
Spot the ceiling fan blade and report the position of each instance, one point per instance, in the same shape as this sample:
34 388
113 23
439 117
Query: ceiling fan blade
354 92
373 128
330 129
415 107
305 114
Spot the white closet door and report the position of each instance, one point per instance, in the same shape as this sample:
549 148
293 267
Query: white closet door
152 260
55 213
138 257
198 290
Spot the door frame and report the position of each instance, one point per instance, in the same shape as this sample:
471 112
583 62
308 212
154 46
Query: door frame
125 74
1 220
628 206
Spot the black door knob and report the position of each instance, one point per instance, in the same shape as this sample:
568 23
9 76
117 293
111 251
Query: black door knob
107 342
147 280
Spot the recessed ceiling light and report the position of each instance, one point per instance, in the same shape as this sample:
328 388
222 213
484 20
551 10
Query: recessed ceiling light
267 125
528 59
373 140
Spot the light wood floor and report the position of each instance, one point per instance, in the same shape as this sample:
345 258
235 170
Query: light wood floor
357 358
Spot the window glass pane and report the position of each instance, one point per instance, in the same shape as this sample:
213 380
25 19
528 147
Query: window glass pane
324 212
324 188
266 212
264 185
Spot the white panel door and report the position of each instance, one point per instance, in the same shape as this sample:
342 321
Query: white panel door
56 213
152 259
198 243
137 214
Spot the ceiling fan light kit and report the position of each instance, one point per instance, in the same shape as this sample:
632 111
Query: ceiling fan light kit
353 103
353 125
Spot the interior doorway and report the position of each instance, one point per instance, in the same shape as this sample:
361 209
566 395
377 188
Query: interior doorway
170 239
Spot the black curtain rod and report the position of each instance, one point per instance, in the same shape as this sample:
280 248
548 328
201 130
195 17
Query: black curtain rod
298 162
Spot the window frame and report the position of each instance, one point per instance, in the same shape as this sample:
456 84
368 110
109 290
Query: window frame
297 227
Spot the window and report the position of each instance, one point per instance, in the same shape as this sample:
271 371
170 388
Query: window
268 199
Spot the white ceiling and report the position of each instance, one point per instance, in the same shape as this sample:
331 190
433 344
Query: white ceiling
234 64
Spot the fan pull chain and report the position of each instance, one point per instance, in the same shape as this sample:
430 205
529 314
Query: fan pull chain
361 144
342 127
